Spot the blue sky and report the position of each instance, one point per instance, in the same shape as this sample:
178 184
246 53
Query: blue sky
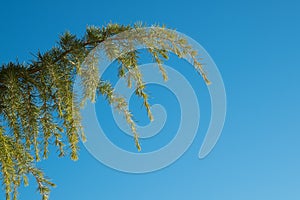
255 45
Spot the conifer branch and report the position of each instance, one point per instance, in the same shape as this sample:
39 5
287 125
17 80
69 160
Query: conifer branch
38 107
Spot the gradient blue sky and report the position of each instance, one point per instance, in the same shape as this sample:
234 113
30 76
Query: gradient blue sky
256 47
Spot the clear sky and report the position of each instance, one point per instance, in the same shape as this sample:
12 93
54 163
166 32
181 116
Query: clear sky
255 45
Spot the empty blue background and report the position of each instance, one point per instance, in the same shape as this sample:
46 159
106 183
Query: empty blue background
255 44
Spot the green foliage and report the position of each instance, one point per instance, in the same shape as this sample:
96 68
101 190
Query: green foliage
37 106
